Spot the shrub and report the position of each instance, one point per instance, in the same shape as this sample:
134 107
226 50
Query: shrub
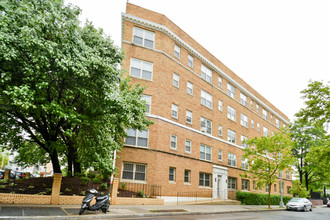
97 180
141 193
103 186
248 198
84 180
123 186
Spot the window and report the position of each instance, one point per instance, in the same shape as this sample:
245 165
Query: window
206 74
132 171
206 125
137 138
258 126
287 175
173 142
190 88
245 184
251 104
205 152
231 91
206 99
187 176
220 130
266 132
175 109
277 123
288 188
254 185
257 107
176 80
219 81
244 120
245 164
204 179
189 117
232 183
231 113
220 155
252 123
141 69
272 117
188 146
171 176
264 114
232 136
177 50
275 188
143 37
190 61
220 105
232 159
243 99
147 99
243 138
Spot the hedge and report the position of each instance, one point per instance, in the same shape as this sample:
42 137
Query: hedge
248 198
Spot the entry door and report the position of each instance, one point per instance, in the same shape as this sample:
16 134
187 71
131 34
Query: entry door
219 187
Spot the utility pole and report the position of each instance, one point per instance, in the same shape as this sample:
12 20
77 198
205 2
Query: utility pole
281 190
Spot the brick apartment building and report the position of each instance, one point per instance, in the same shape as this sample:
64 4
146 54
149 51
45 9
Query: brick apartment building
201 111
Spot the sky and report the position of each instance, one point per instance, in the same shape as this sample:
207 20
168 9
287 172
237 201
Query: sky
276 46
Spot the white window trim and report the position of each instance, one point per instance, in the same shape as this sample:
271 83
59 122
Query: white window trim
192 60
190 117
220 105
176 142
207 72
208 99
244 100
141 68
185 149
244 123
230 136
230 111
143 38
234 159
176 110
206 120
174 175
221 155
137 138
205 147
192 88
176 78
145 98
177 49
134 168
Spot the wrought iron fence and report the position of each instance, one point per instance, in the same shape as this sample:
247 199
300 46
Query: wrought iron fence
194 197
139 190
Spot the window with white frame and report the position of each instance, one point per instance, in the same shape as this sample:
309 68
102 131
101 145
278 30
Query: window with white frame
245 184
287 175
266 132
204 179
173 142
258 126
277 123
231 113
176 80
187 176
141 69
205 152
251 104
232 159
231 91
243 99
265 114
206 125
231 136
271 117
206 74
220 130
244 120
232 183
220 106
257 107
188 146
245 164
252 123
147 99
133 171
177 51
143 37
254 185
190 61
137 138
190 88
171 176
243 144
220 155
220 81
175 110
206 99
189 117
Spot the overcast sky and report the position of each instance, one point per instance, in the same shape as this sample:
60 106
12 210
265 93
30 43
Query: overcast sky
276 46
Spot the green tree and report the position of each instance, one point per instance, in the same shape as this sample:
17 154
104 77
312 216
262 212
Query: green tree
298 189
61 90
266 157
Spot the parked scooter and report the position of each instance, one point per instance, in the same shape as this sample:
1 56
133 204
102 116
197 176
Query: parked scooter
102 202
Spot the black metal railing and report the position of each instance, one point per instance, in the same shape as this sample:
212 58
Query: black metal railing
139 190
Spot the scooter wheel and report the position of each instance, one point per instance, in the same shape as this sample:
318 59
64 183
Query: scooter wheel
81 211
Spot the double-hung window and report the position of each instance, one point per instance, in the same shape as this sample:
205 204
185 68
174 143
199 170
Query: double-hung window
173 142
244 120
220 130
277 123
232 183
258 126
220 105
231 91
220 155
190 61
147 99
220 81
206 99
206 125
137 138
252 123
232 159
206 74
177 51
187 176
245 164
231 136
141 69
245 184
287 175
205 152
171 176
264 114
257 107
188 146
143 37
190 88
251 104
243 144
243 99
176 80
231 113
189 117
132 171
266 132
175 110
204 179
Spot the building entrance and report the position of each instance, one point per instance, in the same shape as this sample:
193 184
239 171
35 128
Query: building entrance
220 176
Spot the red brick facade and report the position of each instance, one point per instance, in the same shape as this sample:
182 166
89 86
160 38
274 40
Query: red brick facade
158 157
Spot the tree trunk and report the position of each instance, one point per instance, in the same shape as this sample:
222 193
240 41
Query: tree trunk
56 164
270 187
306 180
69 165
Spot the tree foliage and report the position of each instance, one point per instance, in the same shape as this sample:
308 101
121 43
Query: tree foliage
62 92
298 189
267 156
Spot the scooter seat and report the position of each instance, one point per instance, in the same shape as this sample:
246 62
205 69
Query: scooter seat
101 197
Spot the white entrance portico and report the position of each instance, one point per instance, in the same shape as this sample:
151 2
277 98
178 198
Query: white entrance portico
220 176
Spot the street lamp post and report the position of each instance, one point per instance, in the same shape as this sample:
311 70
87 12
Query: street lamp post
281 190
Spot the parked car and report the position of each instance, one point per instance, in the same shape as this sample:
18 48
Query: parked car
20 175
299 204
328 204
2 174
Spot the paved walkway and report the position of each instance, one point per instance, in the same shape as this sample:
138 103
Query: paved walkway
8 211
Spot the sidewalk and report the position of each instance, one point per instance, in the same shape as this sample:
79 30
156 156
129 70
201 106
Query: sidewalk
8 211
